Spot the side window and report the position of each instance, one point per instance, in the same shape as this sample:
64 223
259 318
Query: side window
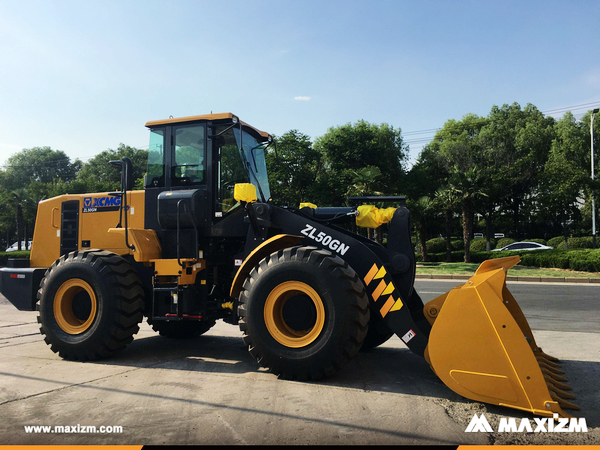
189 155
155 175
231 169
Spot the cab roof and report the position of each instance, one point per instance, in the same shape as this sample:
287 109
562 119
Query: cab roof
205 118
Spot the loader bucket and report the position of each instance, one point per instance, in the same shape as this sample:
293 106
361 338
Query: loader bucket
482 347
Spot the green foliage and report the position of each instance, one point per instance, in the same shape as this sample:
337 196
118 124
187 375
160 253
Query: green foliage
40 165
539 241
349 148
584 260
576 242
504 242
292 179
436 245
555 241
100 176
479 244
457 244
24 254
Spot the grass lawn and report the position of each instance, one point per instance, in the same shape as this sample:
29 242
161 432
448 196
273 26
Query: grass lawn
517 271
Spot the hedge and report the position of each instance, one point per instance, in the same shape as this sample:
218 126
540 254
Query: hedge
576 242
436 245
18 255
480 244
583 260
555 241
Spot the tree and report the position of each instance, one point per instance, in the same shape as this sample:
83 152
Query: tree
457 150
421 210
447 200
100 176
351 147
292 178
565 176
515 144
39 164
22 204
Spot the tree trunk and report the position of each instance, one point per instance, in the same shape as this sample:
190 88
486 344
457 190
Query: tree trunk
422 237
448 235
19 220
488 231
467 212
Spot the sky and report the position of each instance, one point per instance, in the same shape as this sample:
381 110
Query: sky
84 76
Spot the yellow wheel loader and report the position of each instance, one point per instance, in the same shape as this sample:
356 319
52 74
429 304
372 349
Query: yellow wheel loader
203 241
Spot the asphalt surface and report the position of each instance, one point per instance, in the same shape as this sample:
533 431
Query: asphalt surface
210 390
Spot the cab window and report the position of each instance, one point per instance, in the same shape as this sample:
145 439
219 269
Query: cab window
231 169
155 175
189 155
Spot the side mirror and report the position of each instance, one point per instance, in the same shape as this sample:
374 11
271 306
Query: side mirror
126 167
244 192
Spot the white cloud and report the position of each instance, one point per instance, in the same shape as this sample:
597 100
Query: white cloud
302 98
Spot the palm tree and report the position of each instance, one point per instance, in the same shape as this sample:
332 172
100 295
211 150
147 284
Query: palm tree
421 210
468 188
20 200
447 200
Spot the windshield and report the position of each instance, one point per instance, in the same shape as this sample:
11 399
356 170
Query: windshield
254 153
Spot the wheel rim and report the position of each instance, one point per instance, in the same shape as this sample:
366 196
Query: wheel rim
289 299
75 306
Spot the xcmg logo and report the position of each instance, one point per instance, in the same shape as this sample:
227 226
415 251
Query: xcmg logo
90 202
99 204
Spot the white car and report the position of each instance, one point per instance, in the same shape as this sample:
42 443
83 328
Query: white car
523 246
15 247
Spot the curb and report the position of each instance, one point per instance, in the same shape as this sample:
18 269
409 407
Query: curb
509 278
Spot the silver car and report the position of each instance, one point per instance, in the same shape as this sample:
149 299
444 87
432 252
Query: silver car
523 246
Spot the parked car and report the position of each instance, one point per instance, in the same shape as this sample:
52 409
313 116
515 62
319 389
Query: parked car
523 246
477 235
15 246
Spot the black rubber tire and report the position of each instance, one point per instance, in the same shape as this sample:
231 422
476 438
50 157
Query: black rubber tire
119 298
181 329
378 333
345 305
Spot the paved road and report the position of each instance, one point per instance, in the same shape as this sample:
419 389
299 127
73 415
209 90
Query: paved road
553 307
210 391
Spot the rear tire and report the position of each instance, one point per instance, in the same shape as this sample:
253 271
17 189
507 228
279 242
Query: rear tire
181 329
304 313
90 305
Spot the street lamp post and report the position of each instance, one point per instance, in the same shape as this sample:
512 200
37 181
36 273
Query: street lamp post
593 204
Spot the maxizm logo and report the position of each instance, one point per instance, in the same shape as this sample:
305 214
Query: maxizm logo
89 202
544 425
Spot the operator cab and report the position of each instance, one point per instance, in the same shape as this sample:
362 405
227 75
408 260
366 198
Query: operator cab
200 159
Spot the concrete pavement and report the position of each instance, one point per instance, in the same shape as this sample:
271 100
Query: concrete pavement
211 391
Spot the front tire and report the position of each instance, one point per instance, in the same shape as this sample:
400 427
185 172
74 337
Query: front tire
90 305
304 313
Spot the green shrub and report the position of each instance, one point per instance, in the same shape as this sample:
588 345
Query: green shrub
555 241
457 244
436 245
576 242
504 242
539 241
23 254
478 245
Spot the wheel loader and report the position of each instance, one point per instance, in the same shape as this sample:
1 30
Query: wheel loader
204 241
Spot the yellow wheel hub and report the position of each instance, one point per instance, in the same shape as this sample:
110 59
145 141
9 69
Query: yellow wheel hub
71 304
299 297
